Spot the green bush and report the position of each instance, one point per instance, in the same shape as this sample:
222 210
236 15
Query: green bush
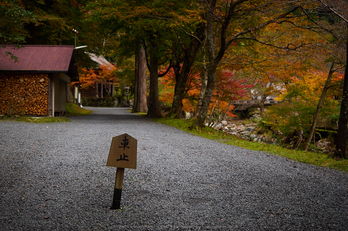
73 110
297 115
98 102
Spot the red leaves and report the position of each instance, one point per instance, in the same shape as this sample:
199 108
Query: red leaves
227 88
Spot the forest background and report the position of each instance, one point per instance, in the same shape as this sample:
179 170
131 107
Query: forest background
198 56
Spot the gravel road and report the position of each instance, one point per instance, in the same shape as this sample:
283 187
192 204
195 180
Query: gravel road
53 177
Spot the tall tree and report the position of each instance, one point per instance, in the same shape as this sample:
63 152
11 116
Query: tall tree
140 88
342 133
154 109
335 13
184 57
320 105
235 21
339 9
166 21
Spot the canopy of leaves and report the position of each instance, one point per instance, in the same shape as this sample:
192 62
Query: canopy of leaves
14 17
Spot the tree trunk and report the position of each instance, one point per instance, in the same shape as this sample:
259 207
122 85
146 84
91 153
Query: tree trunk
179 91
182 72
341 139
201 115
136 82
140 104
154 108
181 77
262 104
320 104
204 78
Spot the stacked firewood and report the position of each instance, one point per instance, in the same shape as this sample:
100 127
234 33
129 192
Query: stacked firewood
22 93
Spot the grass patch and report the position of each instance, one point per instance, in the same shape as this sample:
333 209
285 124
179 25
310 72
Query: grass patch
75 110
42 119
29 119
317 159
71 110
142 113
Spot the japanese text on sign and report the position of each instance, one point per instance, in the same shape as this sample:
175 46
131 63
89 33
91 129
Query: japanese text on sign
123 152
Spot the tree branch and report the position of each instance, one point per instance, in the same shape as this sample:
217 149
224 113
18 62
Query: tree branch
169 19
164 73
289 46
262 25
321 27
333 11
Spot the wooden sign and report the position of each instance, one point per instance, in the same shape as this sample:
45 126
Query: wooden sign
123 152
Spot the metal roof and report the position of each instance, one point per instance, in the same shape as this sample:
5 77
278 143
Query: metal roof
101 61
39 59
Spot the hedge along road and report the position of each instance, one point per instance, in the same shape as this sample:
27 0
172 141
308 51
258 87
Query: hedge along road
53 177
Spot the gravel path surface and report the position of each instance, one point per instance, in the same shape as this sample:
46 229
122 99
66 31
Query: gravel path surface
53 177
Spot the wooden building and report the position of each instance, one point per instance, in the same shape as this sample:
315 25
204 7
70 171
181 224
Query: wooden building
34 79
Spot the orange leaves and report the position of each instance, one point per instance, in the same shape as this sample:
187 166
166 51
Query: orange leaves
305 88
103 74
167 85
227 88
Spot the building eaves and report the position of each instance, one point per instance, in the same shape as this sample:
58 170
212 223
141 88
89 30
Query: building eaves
39 59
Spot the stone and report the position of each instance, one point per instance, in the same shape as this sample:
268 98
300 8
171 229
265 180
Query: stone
218 127
323 144
188 115
224 122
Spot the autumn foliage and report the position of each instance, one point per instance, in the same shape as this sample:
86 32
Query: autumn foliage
167 85
227 89
300 98
103 74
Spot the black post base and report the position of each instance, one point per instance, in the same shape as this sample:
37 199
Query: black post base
116 202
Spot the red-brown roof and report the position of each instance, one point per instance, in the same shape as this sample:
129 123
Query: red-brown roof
39 58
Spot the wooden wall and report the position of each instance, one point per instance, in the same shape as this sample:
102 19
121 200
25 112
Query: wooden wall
22 93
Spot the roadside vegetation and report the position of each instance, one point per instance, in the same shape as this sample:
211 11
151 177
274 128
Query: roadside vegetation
71 110
318 159
75 110
24 118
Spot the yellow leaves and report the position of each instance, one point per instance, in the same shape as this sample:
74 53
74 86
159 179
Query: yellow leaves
187 105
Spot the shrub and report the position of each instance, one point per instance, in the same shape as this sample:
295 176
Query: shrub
98 102
297 115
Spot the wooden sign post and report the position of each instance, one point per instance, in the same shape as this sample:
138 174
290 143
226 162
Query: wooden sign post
123 154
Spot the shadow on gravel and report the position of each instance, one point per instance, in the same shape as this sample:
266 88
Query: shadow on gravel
109 114
109 117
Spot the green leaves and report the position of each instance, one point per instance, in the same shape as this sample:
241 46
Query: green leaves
14 18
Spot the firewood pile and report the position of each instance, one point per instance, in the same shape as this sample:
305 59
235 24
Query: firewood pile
22 93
